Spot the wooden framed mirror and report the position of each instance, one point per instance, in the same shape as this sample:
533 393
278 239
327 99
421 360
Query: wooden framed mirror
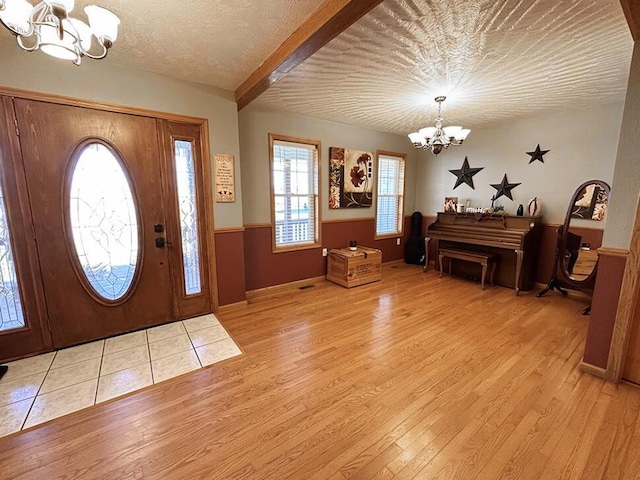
579 237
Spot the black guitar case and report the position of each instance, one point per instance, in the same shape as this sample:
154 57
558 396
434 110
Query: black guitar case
414 248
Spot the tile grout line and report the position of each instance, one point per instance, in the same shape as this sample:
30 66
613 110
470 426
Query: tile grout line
192 345
146 336
102 355
38 392
95 396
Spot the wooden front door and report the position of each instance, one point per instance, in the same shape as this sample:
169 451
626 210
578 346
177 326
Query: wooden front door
95 182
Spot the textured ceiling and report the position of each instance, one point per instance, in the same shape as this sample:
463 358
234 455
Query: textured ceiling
215 42
495 60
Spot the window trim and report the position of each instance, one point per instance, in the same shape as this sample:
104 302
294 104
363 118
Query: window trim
273 137
401 215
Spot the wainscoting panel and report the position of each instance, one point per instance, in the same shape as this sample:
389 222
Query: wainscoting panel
230 264
264 268
338 234
603 309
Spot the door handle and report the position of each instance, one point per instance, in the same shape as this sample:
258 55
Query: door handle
162 242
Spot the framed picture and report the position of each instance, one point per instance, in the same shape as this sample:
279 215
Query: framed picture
450 204
350 178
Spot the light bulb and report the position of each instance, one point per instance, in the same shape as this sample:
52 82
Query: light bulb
463 134
51 44
83 31
104 24
451 131
427 132
16 15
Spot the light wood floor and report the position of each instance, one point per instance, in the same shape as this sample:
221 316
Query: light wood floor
410 377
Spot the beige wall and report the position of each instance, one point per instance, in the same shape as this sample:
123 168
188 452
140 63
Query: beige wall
583 144
106 82
582 147
626 179
255 126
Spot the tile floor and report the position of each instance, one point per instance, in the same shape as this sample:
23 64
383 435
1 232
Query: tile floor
47 386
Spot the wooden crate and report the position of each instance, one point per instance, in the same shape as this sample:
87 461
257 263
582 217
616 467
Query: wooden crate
351 268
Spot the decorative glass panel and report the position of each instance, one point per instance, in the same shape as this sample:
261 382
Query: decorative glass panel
103 222
11 315
188 207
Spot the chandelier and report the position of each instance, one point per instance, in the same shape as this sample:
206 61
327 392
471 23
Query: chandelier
436 138
48 27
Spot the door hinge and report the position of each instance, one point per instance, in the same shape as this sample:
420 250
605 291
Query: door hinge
33 231
15 122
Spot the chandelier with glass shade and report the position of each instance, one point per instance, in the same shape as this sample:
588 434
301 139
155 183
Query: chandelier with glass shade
436 138
47 26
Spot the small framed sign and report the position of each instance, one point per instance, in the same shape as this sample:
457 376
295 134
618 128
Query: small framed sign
225 178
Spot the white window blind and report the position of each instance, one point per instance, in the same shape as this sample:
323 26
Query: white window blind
390 202
295 193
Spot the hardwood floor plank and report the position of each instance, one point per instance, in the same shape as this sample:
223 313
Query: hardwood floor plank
622 461
410 377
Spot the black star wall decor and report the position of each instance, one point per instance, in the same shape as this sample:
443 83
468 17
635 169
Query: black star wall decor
537 154
465 174
504 188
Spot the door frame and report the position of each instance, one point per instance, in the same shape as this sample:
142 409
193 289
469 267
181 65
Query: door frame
207 162
184 306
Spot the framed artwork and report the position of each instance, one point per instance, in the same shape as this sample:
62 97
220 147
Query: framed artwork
450 204
224 178
350 178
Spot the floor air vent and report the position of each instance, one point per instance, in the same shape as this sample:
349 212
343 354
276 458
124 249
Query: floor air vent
304 287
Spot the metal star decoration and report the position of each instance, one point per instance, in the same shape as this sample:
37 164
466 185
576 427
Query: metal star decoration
537 154
504 188
465 174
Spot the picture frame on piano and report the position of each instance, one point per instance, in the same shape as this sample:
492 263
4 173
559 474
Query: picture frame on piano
450 204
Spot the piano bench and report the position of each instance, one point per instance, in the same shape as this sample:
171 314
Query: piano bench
484 259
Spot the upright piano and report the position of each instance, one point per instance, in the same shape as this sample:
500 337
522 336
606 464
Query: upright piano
514 239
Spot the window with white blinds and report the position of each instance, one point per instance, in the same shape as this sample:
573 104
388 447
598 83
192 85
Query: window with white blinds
294 190
390 202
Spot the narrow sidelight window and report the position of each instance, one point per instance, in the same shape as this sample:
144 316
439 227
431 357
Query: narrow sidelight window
188 209
294 192
11 315
390 202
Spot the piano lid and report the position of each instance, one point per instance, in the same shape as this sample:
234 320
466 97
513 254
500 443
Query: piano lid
487 220
502 231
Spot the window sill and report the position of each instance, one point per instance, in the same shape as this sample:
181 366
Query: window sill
387 236
296 247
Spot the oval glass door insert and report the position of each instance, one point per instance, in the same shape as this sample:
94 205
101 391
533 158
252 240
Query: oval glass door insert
103 221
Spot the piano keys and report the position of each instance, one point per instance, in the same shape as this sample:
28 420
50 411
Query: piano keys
515 239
